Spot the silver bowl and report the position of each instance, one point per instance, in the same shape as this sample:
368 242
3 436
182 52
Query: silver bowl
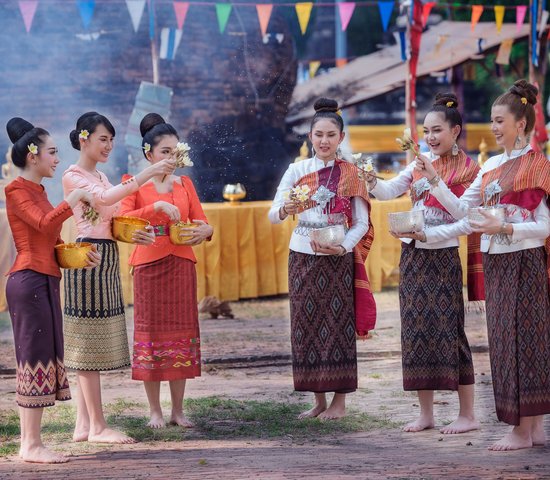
406 222
498 211
330 236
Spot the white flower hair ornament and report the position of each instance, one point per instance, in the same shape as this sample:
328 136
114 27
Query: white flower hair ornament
84 134
146 147
33 148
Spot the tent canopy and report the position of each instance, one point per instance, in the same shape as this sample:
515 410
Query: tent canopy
443 46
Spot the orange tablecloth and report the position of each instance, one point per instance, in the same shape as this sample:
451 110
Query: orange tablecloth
247 257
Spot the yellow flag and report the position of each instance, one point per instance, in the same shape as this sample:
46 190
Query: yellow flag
313 67
303 10
499 16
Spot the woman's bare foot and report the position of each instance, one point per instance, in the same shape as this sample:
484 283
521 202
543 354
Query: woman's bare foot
313 412
181 420
156 421
333 413
461 425
108 435
40 454
421 423
80 435
515 440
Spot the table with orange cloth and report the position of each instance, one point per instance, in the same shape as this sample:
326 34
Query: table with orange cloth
247 257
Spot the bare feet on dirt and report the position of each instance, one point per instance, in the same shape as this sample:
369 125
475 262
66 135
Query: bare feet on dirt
108 435
81 435
333 413
422 423
40 454
512 441
156 421
181 420
460 425
313 412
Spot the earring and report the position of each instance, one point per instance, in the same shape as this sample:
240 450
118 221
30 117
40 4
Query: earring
313 151
454 150
339 152
518 142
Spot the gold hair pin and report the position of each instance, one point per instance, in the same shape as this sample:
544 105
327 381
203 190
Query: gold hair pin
524 100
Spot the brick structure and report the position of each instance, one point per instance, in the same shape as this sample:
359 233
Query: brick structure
230 90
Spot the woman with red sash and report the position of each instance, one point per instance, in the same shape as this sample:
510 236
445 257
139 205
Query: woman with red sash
330 298
436 353
515 265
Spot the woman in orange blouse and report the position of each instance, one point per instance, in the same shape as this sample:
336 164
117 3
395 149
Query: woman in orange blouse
32 289
166 327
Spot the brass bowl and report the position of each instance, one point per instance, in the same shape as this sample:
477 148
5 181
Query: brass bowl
234 192
124 227
73 255
175 230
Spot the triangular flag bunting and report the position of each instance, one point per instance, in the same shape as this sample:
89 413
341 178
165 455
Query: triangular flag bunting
303 10
28 9
135 9
520 16
346 11
180 8
386 9
223 11
170 39
499 16
264 14
86 8
426 9
503 55
313 67
477 10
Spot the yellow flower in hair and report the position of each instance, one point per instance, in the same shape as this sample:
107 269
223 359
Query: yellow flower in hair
146 147
339 112
84 134
33 149
524 100
449 104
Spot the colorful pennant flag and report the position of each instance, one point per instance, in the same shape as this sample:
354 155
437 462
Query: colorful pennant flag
386 9
520 16
477 10
86 8
28 9
135 9
313 67
180 8
346 11
303 10
403 45
170 39
499 16
503 55
223 10
264 14
426 9
534 43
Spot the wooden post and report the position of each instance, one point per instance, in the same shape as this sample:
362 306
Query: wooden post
155 59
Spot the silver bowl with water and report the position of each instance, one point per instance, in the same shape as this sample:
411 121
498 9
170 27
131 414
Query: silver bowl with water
406 222
497 211
330 236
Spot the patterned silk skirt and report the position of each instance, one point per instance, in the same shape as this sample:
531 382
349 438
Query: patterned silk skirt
95 325
166 324
518 323
322 316
436 353
35 311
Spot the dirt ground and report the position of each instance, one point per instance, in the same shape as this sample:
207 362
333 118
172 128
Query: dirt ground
249 358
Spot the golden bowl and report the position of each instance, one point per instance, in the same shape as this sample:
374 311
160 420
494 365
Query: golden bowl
175 230
234 192
73 255
124 227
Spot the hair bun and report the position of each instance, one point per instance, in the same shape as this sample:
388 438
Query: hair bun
17 127
447 99
149 121
524 89
326 105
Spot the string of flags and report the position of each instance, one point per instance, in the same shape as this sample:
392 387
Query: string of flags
264 11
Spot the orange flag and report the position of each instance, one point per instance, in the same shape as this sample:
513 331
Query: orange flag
477 10
264 14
